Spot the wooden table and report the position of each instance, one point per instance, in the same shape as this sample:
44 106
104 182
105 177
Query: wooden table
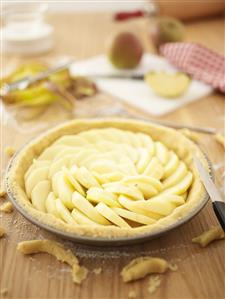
200 272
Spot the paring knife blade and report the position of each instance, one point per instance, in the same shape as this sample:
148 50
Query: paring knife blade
218 202
208 183
204 130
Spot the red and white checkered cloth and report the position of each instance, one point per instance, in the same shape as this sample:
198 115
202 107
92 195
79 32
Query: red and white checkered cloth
200 62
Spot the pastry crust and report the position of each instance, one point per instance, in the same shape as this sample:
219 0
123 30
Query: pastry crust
6 207
4 292
142 266
2 231
220 139
10 151
97 271
35 246
190 134
132 294
2 192
172 139
209 236
154 283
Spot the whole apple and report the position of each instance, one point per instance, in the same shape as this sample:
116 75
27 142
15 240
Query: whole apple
125 50
166 30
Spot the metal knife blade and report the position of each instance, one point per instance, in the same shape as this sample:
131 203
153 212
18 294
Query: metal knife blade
207 182
204 130
116 76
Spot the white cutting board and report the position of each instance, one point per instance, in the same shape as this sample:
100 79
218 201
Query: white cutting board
137 92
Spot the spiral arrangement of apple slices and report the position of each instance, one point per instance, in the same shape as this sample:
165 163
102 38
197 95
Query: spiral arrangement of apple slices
107 177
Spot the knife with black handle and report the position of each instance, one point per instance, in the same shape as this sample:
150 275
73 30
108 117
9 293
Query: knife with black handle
217 201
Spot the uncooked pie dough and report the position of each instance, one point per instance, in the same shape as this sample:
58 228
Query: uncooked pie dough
97 270
2 231
10 151
108 177
142 266
190 134
6 207
153 284
2 192
3 292
35 246
213 234
132 294
220 138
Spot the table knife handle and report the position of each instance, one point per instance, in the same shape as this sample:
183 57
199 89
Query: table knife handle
219 209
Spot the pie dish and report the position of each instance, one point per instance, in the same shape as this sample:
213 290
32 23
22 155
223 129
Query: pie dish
107 179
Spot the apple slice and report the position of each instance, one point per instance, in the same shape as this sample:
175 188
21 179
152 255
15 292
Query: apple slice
168 85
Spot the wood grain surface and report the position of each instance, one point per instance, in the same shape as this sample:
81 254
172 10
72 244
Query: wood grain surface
201 272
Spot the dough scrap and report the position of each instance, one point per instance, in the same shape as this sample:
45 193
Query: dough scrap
6 207
173 267
4 292
2 231
190 134
214 233
97 270
154 283
2 192
79 273
132 294
10 151
220 139
142 266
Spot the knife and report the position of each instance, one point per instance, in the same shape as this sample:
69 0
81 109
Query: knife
217 201
128 76
26 81
203 130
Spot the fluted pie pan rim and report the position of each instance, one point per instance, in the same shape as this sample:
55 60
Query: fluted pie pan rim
106 235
